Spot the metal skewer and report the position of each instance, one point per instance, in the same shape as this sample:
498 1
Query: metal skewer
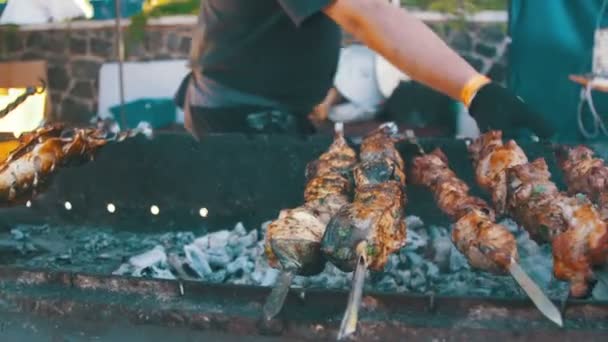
538 297
276 299
351 314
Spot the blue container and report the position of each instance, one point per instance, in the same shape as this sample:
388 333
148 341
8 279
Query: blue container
158 112
105 9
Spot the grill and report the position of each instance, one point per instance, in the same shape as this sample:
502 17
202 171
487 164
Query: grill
170 183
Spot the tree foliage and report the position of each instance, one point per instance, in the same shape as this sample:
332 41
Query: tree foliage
456 6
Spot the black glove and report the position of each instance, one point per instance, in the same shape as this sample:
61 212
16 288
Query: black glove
495 107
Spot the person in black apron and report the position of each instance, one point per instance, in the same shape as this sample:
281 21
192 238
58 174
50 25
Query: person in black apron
263 65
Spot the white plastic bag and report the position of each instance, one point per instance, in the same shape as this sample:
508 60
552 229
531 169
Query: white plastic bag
28 12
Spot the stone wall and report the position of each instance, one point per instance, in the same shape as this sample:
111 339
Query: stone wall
76 52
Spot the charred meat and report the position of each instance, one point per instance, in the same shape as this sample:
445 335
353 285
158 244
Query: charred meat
374 221
293 240
487 246
585 174
490 160
571 224
40 153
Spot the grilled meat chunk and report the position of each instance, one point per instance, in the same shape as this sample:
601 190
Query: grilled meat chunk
533 201
490 159
572 225
450 192
585 174
377 171
487 246
293 240
39 154
376 215
380 144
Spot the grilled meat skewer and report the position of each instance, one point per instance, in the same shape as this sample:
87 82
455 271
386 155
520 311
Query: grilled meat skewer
293 240
572 225
40 153
364 233
585 174
376 213
488 246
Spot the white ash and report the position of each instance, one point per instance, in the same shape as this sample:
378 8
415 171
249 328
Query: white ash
428 263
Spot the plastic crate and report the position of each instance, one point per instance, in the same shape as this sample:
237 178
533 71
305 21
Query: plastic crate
157 112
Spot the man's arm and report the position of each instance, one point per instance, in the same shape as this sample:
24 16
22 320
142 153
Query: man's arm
415 49
404 41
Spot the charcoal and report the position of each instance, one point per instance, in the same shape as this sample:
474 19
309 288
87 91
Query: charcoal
218 258
432 271
600 292
28 247
441 251
526 246
339 282
403 277
539 268
216 277
216 240
512 226
160 273
197 260
99 242
480 291
239 229
249 239
18 234
414 240
64 258
301 281
413 222
264 227
417 280
104 256
392 264
149 258
240 264
387 284
414 260
457 260
269 278
428 262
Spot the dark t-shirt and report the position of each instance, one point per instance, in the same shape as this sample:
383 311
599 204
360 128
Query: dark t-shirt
282 50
